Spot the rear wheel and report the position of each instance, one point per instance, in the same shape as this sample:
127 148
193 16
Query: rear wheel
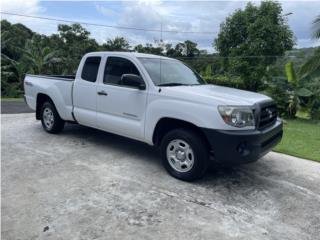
185 154
50 119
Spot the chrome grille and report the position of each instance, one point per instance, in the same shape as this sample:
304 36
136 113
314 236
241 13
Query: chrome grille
268 115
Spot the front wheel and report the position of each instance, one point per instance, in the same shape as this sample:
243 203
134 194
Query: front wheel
185 154
50 119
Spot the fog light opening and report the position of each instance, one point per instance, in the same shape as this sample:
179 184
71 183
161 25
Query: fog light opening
242 149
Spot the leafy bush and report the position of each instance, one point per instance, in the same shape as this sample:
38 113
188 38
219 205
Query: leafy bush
225 80
294 93
279 90
312 103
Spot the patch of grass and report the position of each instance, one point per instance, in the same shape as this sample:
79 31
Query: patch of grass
5 99
301 138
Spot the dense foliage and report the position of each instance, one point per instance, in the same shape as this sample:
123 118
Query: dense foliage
251 39
24 51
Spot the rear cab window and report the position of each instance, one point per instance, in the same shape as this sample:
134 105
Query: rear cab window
90 69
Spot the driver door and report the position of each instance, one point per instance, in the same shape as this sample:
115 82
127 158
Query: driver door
120 108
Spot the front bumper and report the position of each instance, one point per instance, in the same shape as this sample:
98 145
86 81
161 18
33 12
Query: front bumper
242 146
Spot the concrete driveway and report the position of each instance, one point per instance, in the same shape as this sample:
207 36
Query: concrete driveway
87 184
14 106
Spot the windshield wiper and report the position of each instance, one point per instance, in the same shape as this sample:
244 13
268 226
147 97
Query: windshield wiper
172 84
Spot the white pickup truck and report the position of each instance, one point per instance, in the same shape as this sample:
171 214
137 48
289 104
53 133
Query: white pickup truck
162 102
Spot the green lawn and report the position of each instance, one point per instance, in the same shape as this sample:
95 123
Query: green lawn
301 138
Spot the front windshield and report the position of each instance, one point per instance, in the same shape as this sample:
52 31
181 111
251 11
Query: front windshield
172 73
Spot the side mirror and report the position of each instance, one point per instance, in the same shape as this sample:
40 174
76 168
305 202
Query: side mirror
133 80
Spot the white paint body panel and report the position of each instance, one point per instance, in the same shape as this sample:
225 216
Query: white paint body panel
59 90
122 111
131 112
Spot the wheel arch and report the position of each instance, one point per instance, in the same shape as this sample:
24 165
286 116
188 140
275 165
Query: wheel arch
41 98
166 124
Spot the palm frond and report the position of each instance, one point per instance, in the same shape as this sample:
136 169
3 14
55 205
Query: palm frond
49 56
6 67
7 74
316 27
310 66
6 58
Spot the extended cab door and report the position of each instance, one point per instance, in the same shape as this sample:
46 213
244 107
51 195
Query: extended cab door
120 108
85 91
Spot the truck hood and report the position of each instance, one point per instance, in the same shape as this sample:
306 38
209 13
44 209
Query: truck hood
215 94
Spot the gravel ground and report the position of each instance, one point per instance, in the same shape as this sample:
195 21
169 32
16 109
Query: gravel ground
87 184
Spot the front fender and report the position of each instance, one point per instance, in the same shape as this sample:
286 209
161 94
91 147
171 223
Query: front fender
194 113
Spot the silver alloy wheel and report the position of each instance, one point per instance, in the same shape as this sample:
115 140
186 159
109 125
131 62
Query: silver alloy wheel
180 155
48 118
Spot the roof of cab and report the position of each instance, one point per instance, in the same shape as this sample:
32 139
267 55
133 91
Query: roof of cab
132 54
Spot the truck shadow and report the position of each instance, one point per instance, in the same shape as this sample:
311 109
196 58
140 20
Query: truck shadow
216 174
118 144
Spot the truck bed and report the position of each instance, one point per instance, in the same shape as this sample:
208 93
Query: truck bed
57 87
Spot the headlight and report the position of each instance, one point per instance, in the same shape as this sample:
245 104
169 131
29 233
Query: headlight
237 116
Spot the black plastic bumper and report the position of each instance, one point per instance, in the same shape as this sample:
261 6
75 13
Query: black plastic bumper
243 146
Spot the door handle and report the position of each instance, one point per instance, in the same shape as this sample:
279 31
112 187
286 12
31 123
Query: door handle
102 93
28 83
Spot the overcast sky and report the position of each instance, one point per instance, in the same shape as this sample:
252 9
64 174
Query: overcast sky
196 16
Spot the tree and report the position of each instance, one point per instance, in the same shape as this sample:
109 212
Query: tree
39 57
149 48
13 38
12 73
252 39
191 49
75 42
116 44
34 59
312 66
186 49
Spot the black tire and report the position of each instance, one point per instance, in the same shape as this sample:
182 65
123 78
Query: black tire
199 149
57 125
